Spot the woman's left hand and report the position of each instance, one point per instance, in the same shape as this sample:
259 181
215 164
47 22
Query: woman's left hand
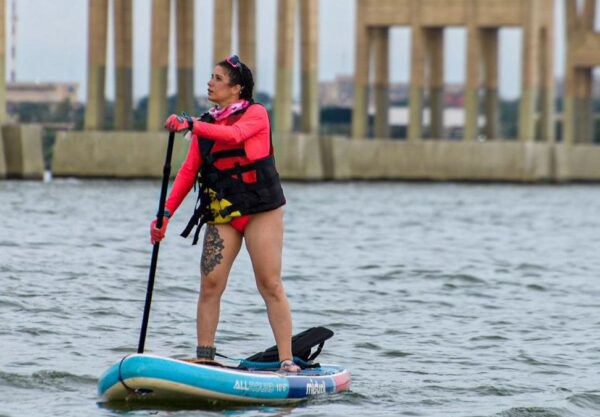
156 234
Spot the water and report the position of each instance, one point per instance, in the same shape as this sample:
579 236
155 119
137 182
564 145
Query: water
446 299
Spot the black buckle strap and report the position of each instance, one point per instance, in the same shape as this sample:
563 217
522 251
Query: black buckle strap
229 153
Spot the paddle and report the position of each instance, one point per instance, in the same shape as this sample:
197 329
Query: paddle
159 222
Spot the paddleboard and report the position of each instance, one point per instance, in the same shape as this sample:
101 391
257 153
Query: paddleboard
144 377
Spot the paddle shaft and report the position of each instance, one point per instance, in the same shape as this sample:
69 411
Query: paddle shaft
159 223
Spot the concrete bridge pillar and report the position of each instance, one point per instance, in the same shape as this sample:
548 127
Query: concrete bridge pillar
246 30
97 31
283 122
2 63
247 34
489 43
582 41
3 155
435 61
473 81
547 90
530 81
417 79
573 37
583 105
123 65
361 74
2 159
309 46
159 64
381 55
223 21
185 56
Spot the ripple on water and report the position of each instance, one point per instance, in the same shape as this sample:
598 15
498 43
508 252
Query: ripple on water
9 244
587 400
534 412
47 380
536 287
367 346
488 338
396 353
466 279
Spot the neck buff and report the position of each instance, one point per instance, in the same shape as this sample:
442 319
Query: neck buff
224 112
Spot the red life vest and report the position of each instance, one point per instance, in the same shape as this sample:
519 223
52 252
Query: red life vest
223 193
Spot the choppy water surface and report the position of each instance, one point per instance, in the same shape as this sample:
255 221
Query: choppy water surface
446 299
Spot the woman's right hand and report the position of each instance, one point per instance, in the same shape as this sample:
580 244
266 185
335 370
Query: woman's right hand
156 235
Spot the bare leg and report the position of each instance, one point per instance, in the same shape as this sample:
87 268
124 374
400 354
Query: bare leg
264 241
221 245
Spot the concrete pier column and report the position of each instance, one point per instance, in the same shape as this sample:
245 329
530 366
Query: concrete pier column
583 117
222 30
2 66
361 75
573 35
568 125
2 159
583 105
285 65
473 81
491 101
96 76
123 65
547 90
417 80
530 79
185 56
381 55
157 103
23 148
309 51
435 53
247 34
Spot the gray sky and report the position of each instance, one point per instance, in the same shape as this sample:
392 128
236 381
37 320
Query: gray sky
52 45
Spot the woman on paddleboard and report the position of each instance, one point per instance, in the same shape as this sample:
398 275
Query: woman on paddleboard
240 199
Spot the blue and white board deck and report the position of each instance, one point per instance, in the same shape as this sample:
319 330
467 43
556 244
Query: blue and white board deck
155 378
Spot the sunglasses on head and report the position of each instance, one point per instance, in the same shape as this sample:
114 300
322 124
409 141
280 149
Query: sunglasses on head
234 61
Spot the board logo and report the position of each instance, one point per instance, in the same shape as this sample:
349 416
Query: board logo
241 385
314 388
258 386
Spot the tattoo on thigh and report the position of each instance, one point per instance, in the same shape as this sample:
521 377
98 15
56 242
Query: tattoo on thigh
212 252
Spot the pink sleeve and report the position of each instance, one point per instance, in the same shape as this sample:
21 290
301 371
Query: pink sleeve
253 121
186 176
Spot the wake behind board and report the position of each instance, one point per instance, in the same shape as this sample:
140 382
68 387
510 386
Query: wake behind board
151 378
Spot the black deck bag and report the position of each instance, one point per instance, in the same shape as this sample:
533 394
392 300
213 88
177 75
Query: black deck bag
302 344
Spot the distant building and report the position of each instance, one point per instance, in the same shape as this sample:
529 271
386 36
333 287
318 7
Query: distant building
42 93
43 104
337 93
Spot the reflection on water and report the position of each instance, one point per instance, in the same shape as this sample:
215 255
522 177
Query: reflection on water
446 299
